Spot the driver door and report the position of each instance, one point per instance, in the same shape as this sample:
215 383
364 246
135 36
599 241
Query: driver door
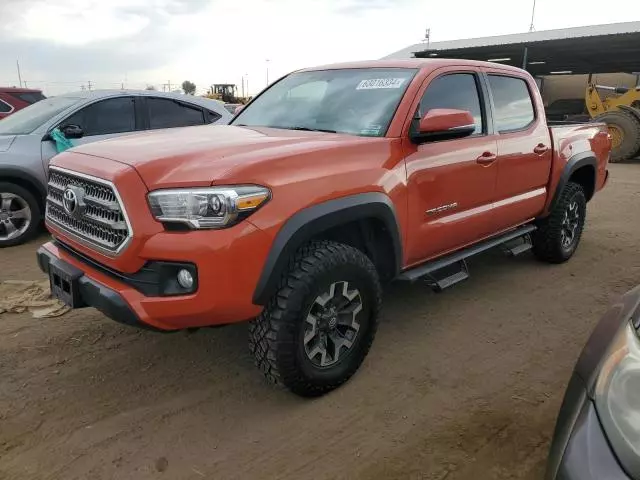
451 183
100 120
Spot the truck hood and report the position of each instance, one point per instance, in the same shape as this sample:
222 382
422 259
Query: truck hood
197 156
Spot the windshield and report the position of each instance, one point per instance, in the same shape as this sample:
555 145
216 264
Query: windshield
28 119
355 101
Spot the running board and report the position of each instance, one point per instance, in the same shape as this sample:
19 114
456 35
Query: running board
519 245
429 269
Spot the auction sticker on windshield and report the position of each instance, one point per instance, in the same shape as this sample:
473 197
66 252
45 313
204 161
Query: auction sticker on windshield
375 83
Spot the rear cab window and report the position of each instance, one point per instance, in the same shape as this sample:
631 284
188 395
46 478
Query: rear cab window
513 105
29 97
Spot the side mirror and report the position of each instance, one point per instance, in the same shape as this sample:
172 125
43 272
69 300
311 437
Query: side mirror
238 109
72 131
444 124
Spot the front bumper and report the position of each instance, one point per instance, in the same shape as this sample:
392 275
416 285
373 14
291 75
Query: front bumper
228 264
94 294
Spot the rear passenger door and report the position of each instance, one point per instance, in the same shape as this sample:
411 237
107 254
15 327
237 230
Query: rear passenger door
171 113
524 149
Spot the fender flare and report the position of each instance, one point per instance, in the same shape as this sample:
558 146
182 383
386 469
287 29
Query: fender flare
579 160
6 173
316 219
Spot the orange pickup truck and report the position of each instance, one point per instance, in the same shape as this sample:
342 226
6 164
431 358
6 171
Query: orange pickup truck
331 182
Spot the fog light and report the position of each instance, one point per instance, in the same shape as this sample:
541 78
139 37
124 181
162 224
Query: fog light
185 279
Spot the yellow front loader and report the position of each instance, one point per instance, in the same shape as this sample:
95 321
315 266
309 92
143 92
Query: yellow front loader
621 112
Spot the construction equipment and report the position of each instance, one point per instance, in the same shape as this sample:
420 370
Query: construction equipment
620 110
225 92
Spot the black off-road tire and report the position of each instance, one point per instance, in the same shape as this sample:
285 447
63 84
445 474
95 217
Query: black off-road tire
548 238
25 197
276 337
628 127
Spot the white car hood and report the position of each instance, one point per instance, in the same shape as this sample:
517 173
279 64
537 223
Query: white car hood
6 141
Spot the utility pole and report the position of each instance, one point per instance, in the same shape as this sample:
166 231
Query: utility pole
533 14
169 85
427 37
243 86
19 76
89 85
267 72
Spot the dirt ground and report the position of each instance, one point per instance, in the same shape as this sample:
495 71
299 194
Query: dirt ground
460 385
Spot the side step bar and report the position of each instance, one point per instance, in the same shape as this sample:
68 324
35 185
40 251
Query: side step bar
454 264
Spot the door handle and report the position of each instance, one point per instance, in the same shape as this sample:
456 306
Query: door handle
487 158
540 149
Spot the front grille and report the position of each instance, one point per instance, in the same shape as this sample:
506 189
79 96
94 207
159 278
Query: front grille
100 222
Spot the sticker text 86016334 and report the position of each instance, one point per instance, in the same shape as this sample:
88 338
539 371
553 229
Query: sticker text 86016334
376 83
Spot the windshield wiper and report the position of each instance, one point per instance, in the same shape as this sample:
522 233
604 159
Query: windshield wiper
304 129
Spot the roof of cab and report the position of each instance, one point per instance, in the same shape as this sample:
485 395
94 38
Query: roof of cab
431 63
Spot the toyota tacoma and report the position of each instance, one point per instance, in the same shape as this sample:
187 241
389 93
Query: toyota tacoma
330 183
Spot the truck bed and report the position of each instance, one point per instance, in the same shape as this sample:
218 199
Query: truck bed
579 141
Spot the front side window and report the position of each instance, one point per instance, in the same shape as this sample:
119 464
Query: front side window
28 119
353 101
512 101
114 115
167 113
458 91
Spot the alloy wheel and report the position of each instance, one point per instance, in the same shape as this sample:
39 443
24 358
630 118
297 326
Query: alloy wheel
15 216
331 326
570 224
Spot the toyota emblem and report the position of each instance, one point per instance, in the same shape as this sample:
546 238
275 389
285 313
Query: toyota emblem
70 201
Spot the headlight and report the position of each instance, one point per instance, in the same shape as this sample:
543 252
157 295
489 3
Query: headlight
618 398
215 207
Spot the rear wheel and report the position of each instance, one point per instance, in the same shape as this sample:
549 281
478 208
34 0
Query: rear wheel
19 215
558 235
316 331
624 129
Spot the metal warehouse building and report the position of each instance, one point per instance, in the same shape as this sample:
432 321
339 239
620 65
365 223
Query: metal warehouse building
564 58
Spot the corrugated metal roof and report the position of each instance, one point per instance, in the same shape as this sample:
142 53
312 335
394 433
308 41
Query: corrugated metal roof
520 38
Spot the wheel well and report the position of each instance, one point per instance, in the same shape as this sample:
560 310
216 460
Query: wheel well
371 237
27 185
586 177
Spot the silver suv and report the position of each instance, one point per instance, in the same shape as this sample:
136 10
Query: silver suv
26 145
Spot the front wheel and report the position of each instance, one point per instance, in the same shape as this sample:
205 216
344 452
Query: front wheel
19 215
558 235
318 328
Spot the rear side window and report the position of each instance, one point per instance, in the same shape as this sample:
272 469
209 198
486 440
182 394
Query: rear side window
458 91
29 97
5 107
115 115
212 117
513 104
166 113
